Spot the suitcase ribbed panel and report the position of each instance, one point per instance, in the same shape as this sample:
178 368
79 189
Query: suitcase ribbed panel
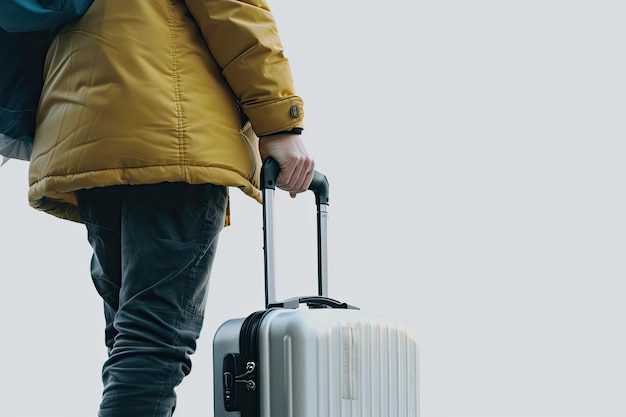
325 363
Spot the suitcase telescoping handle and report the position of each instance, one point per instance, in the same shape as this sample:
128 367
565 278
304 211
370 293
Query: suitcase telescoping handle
320 187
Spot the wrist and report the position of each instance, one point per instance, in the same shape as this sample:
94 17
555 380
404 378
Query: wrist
294 131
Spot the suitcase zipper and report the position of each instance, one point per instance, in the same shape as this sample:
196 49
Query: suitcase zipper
241 390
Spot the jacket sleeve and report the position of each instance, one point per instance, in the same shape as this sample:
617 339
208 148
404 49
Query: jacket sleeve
243 38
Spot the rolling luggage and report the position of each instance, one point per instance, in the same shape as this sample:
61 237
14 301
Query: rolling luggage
312 356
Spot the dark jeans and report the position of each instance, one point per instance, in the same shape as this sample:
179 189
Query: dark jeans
153 247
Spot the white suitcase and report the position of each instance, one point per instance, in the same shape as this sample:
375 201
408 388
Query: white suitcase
327 360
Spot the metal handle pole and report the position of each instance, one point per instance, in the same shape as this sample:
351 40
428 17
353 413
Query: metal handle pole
320 187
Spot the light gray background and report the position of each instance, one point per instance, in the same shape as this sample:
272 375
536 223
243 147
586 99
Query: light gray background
475 151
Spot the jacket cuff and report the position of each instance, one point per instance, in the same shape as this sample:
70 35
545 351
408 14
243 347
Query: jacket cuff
277 116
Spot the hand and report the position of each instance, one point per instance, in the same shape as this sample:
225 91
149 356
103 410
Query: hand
296 166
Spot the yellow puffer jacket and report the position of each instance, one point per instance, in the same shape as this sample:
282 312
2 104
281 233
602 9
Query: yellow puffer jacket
142 92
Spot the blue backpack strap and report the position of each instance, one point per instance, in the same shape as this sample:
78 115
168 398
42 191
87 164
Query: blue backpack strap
21 79
35 15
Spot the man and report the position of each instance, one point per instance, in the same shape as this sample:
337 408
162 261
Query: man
149 111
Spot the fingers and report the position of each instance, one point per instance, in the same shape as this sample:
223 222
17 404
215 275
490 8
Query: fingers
296 175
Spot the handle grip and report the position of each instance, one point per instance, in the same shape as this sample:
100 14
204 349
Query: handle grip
319 184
